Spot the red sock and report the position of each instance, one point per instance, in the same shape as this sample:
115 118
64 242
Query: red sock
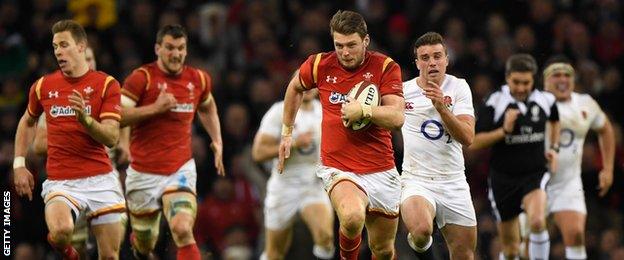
349 248
67 251
188 252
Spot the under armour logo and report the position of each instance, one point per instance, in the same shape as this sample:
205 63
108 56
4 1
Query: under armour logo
331 79
162 86
53 94
368 76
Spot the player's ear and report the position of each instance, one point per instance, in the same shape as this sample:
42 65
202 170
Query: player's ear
366 41
82 46
156 48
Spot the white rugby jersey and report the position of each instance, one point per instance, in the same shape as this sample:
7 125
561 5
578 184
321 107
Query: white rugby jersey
577 116
429 150
300 167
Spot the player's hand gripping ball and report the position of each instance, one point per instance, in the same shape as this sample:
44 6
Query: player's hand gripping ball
367 94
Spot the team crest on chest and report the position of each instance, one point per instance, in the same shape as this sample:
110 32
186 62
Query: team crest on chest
448 101
368 76
162 85
191 89
88 91
409 106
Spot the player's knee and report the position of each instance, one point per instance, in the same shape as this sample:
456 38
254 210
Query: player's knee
182 228
537 223
576 235
325 237
144 239
461 251
61 233
382 251
353 222
109 253
421 231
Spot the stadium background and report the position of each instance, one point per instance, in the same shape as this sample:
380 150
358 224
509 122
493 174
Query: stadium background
251 47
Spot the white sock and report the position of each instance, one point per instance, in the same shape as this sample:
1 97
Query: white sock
322 253
575 252
263 256
412 244
501 256
539 245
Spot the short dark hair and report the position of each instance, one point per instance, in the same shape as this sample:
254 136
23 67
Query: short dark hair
174 30
348 22
429 38
520 63
71 26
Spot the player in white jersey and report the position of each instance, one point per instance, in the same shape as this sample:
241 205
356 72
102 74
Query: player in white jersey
439 119
578 113
297 189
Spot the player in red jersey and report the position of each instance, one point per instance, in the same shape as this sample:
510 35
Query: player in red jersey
357 167
83 112
160 100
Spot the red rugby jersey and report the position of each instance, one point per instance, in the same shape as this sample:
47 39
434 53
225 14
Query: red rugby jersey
72 153
364 151
162 144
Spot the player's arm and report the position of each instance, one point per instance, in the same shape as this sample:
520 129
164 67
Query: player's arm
390 115
40 144
105 131
554 128
131 114
265 147
488 138
292 102
23 179
460 127
123 147
209 118
606 139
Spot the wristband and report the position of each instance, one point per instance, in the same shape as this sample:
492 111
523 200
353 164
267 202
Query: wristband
287 130
19 162
367 111
554 147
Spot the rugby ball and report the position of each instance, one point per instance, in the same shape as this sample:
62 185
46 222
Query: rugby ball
366 93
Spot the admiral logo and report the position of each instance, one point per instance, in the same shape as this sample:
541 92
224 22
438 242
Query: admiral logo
337 98
56 111
331 79
52 94
183 108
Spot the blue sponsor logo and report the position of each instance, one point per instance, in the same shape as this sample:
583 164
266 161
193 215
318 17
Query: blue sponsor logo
337 98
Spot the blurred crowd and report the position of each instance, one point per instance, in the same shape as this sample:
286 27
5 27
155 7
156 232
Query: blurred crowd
250 48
